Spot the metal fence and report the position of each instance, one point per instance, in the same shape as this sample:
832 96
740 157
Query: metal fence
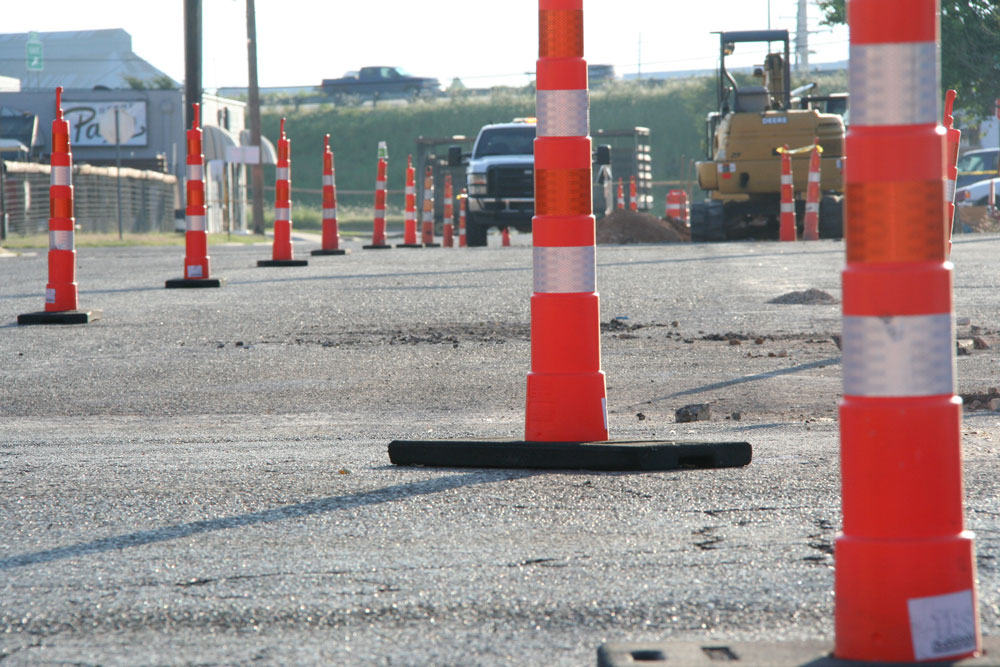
148 199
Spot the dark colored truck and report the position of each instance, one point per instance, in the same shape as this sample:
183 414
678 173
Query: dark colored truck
381 83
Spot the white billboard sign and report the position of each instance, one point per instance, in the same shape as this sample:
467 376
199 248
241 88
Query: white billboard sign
85 122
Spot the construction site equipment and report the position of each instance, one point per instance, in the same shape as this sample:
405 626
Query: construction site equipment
677 205
61 290
742 176
905 568
282 252
331 232
196 259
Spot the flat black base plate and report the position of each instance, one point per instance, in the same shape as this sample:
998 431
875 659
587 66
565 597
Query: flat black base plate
338 251
377 247
282 262
60 317
623 455
409 245
432 245
195 282
774 654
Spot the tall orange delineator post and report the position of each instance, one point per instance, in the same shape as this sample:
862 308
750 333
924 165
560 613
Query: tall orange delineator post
378 227
505 237
427 221
463 199
786 230
620 201
810 226
951 164
61 289
566 399
905 567
282 253
566 422
331 232
448 233
196 259
633 197
410 219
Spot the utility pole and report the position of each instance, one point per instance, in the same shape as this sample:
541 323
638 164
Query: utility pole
253 93
192 58
802 40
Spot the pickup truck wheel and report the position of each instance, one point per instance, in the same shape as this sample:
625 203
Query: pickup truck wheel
475 232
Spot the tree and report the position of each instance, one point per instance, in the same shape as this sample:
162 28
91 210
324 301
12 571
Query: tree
970 49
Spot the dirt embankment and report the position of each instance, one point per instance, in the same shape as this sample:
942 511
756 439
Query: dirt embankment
625 226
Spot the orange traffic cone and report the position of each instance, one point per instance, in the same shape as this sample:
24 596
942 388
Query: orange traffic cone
505 237
449 214
282 253
787 228
810 227
620 202
61 290
427 231
905 568
378 228
196 259
951 165
410 223
633 198
331 231
463 199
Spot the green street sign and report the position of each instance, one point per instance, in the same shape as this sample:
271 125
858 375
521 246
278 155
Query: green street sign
33 54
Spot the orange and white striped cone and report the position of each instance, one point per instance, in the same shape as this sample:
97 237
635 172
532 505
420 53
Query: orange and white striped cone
620 201
448 232
196 259
331 231
675 205
505 237
378 226
633 198
905 575
61 290
786 230
566 396
951 165
427 222
810 227
410 220
463 200
282 253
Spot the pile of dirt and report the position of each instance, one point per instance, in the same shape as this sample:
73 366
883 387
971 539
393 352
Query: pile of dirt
624 226
809 297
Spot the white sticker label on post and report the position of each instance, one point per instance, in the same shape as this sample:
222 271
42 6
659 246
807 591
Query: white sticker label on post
942 625
194 270
50 295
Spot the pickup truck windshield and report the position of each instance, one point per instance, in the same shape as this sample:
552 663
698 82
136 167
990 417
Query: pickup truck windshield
506 141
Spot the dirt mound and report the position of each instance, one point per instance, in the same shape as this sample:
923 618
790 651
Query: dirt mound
634 227
809 297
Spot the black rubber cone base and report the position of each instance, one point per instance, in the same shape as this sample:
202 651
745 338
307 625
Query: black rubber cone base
282 262
774 654
175 283
377 247
432 245
60 317
338 251
623 455
409 245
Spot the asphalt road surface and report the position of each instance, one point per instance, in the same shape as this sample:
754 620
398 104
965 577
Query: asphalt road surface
201 477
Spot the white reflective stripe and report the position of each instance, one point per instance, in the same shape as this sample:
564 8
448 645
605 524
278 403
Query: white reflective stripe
786 179
949 191
812 207
428 216
61 176
380 185
562 113
787 208
894 84
565 269
903 355
61 239
50 295
328 179
194 172
196 223
814 177
329 213
281 173
410 190
428 194
282 213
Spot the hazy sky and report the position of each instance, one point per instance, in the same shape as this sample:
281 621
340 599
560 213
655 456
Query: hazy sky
484 43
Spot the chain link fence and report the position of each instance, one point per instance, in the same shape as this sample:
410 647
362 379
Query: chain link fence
148 199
